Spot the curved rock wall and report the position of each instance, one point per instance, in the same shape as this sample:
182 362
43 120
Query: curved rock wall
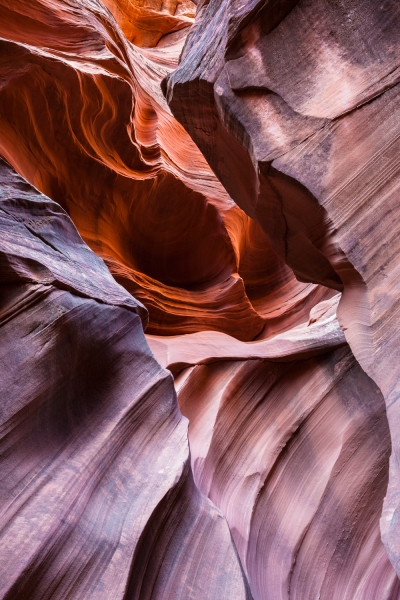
146 22
303 512
298 117
235 217
95 457
124 168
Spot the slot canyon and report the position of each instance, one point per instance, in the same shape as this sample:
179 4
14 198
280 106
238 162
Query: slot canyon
200 299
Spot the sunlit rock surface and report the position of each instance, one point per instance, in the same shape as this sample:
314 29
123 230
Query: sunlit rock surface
146 22
235 166
83 118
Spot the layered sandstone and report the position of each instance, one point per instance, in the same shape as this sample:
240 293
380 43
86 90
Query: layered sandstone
125 171
146 22
97 496
234 164
298 115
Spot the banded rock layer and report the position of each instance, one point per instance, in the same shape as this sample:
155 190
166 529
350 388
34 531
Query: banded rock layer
98 138
236 214
298 115
97 496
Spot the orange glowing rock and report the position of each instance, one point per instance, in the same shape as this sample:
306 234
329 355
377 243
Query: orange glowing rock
235 165
145 22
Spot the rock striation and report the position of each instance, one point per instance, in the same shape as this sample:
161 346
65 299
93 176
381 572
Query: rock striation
224 176
124 168
298 106
97 495
302 508
145 23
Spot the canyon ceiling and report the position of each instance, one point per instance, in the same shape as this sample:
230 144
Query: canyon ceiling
200 299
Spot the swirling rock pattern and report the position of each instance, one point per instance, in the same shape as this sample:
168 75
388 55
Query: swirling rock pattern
146 22
298 117
303 514
126 169
96 487
234 175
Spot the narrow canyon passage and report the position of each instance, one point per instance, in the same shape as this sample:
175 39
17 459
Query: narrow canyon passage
199 300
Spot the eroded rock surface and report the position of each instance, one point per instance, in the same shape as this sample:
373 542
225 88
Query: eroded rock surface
298 106
303 509
234 175
146 22
83 118
97 496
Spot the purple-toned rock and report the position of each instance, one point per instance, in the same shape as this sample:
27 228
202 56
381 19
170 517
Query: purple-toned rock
298 114
97 496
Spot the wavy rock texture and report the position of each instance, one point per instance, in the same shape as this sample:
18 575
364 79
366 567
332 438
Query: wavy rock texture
298 115
236 213
320 335
97 498
302 507
145 22
98 137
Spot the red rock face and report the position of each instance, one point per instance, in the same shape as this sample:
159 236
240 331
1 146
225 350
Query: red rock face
240 196
146 22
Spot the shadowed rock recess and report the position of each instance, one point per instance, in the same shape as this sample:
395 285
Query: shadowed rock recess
224 176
